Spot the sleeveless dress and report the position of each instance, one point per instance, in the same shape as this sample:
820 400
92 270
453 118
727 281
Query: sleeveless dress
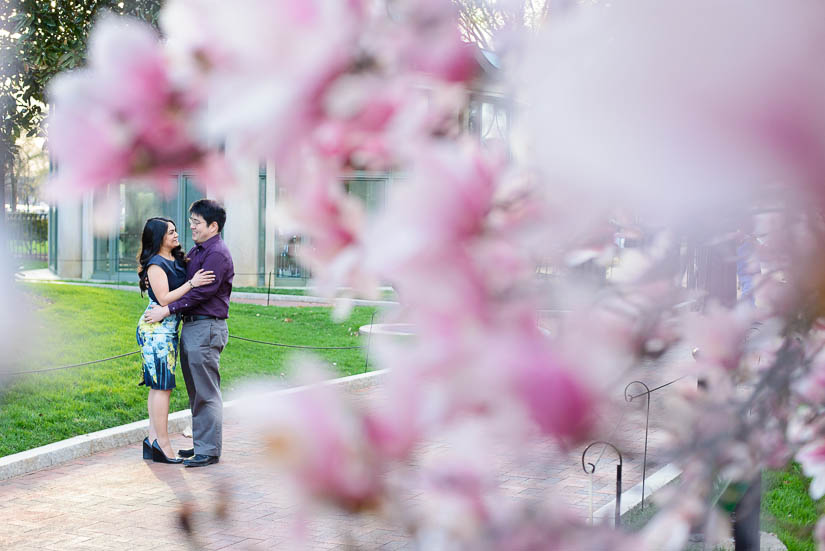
159 341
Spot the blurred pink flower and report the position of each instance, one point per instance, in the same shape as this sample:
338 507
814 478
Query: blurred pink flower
121 117
429 40
669 529
819 534
459 503
317 435
265 66
693 109
442 206
812 459
396 421
558 401
812 387
719 335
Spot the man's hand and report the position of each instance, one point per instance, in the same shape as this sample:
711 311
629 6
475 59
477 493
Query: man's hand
156 314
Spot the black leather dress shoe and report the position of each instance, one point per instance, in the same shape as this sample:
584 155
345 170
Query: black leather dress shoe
200 460
186 453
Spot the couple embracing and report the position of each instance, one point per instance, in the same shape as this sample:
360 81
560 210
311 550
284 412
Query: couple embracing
193 290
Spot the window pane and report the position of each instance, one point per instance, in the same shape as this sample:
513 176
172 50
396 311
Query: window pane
372 191
190 194
137 204
103 255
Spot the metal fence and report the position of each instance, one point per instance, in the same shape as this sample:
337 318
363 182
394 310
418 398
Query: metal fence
28 235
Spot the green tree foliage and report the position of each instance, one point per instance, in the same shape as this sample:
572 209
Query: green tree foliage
481 20
38 39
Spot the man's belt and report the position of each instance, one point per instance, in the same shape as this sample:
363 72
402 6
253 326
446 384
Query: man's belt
187 319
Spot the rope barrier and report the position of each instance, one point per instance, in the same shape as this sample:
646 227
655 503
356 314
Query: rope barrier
74 365
304 347
297 345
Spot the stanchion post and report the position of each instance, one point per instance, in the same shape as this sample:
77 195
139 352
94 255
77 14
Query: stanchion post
369 339
618 513
268 287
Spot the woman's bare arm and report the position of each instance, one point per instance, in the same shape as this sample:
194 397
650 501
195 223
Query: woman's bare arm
160 284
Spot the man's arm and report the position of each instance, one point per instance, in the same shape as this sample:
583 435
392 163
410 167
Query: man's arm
214 262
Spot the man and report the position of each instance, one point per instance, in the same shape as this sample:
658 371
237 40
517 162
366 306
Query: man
204 332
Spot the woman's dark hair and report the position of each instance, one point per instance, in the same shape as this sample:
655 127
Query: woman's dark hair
153 232
210 210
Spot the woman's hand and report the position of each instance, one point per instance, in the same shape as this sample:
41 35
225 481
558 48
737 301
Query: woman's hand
202 277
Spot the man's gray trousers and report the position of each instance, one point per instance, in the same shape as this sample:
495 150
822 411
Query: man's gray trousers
201 344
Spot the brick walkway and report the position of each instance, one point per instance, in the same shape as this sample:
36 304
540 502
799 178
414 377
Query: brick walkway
116 500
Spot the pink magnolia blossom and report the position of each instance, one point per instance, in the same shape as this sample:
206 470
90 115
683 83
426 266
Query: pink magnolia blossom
819 534
719 335
812 387
686 115
318 436
429 40
669 530
458 502
447 199
691 108
560 402
122 117
812 458
359 110
264 80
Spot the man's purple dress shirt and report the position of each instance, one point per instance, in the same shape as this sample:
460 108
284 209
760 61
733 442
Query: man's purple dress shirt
212 299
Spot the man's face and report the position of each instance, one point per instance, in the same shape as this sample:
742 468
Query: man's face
200 231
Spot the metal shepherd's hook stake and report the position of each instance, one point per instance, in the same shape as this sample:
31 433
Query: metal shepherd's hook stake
629 398
618 518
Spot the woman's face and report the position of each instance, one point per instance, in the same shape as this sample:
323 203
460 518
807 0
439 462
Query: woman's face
170 240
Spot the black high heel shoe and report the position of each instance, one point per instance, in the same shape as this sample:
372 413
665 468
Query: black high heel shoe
147 449
159 457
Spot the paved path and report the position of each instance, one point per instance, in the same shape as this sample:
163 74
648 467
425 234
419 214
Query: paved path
116 500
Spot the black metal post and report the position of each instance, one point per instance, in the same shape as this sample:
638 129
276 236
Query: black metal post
369 339
268 287
618 513
629 398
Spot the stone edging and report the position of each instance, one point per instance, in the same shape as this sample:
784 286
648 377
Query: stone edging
53 454
633 496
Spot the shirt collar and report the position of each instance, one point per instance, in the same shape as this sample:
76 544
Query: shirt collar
209 243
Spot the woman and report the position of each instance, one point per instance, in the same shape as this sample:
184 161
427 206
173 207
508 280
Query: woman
162 272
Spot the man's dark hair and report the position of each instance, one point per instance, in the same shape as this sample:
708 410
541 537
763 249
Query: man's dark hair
210 211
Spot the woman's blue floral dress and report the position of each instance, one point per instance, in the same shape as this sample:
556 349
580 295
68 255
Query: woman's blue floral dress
159 341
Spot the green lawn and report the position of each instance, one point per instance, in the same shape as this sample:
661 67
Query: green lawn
292 291
78 324
787 508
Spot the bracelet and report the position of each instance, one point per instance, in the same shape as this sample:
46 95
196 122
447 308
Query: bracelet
190 284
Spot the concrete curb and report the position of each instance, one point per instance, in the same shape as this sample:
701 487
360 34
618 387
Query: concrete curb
56 453
633 497
312 299
661 478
